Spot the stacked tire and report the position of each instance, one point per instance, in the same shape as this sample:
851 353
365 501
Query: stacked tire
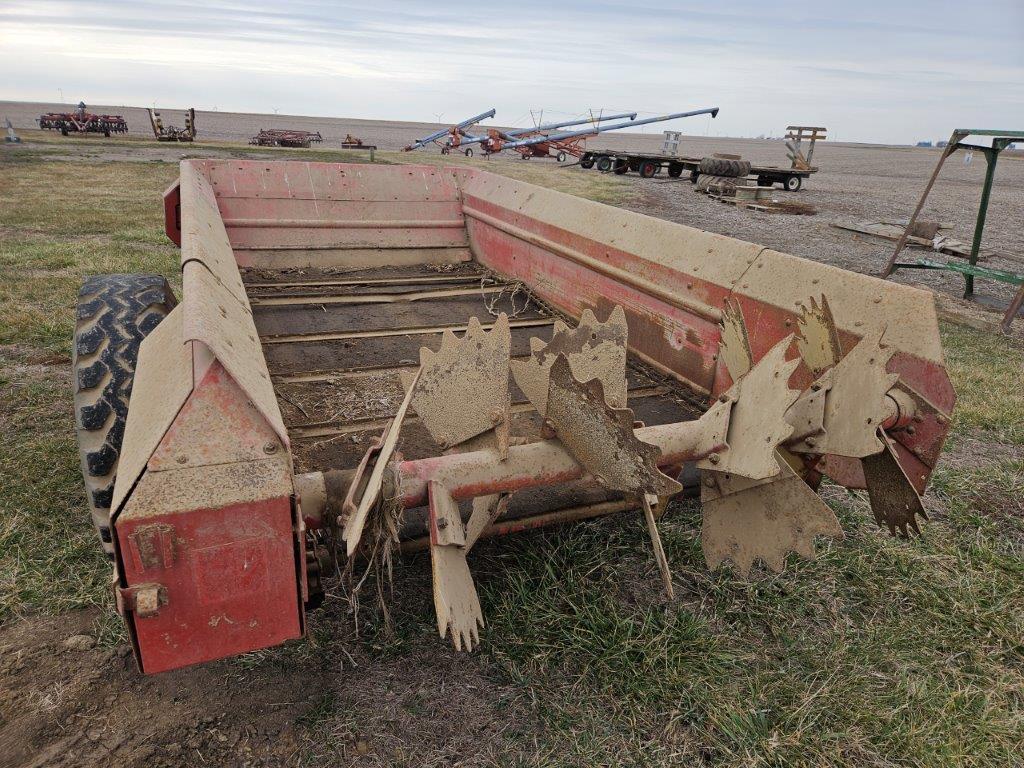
721 185
720 166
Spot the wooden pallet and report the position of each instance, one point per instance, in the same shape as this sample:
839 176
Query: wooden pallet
892 231
765 206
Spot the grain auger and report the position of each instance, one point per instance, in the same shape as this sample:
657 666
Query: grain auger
754 446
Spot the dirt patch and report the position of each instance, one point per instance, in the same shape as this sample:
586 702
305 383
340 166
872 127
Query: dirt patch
339 399
792 207
66 702
61 706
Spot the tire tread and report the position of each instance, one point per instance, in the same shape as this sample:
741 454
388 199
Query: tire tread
115 313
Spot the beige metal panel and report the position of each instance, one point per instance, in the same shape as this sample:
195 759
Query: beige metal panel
352 258
218 425
330 181
208 487
368 236
701 254
162 384
203 236
214 317
236 208
860 304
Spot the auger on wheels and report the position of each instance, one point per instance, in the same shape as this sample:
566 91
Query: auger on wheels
530 358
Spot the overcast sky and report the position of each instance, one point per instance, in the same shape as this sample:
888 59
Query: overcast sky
868 70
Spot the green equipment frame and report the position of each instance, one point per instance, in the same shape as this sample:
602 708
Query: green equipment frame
1000 141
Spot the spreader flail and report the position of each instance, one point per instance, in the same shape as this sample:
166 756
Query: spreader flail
463 400
858 395
757 445
601 437
463 388
594 350
747 520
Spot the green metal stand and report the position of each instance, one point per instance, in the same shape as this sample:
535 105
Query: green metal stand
991 155
1000 141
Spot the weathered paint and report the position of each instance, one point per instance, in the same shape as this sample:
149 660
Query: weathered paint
230 579
227 508
162 384
218 489
551 240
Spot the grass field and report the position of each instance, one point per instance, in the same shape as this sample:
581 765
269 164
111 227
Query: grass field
880 652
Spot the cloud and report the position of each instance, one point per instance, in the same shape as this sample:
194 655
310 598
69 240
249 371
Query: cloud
766 65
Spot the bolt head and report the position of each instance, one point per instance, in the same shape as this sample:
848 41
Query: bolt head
270 448
714 458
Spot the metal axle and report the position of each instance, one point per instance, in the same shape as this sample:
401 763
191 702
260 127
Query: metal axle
479 473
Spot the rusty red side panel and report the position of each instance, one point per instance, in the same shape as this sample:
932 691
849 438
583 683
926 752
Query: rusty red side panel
172 213
227 581
674 281
675 331
297 214
211 528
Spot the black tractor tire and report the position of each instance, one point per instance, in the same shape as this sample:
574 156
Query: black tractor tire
689 478
720 166
587 162
675 170
115 313
604 163
445 150
694 175
621 166
649 168
560 157
793 183
739 168
469 152
710 166
765 181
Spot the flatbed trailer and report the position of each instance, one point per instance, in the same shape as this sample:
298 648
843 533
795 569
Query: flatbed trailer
651 164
